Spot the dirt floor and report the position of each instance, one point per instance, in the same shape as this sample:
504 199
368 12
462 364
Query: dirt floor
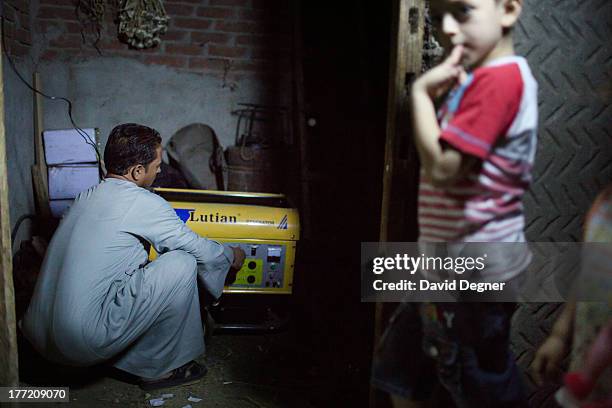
243 371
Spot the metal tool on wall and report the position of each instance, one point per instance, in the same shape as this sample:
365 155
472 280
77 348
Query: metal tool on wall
254 163
249 115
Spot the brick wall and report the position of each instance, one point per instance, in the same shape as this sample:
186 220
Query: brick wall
18 39
205 36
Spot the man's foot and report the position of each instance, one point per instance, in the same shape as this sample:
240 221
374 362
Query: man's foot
189 373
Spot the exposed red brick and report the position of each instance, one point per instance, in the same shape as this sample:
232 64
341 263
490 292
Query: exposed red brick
125 53
90 36
276 41
179 9
67 52
109 29
203 38
64 13
24 20
49 55
21 5
143 51
86 52
72 27
225 51
45 25
215 12
237 27
183 49
174 35
10 14
19 50
109 16
9 29
23 36
213 64
66 3
67 41
238 3
110 45
6 46
178 62
193 23
250 39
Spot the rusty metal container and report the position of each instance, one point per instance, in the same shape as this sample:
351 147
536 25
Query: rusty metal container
254 169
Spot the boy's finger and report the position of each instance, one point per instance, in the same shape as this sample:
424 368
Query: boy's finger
455 56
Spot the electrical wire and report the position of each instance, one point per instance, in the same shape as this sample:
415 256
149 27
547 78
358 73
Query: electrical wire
80 131
18 224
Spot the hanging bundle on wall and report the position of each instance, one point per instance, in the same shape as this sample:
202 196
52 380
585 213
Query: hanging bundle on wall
141 22
91 15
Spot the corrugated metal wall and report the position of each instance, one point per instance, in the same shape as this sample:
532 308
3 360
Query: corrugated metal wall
567 43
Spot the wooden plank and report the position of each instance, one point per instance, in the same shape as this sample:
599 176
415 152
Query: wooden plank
300 120
39 151
39 169
407 32
406 61
9 370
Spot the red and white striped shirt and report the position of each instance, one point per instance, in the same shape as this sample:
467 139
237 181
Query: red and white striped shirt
493 116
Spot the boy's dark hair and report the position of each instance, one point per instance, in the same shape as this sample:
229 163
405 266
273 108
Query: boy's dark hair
128 145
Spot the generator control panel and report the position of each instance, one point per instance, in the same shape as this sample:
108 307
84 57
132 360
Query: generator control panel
264 267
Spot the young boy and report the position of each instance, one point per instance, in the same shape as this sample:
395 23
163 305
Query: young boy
476 154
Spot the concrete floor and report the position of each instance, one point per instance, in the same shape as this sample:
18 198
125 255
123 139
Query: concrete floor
244 371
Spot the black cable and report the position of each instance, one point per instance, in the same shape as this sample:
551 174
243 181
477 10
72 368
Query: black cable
17 225
80 131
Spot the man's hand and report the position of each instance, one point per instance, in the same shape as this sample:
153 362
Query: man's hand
239 256
547 362
439 79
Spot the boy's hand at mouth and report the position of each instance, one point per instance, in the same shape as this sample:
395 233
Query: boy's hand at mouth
438 80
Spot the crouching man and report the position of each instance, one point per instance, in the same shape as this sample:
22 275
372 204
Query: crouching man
98 298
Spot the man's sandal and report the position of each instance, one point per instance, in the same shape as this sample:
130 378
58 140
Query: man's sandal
189 373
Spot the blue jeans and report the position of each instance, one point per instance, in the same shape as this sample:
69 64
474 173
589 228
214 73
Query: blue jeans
463 346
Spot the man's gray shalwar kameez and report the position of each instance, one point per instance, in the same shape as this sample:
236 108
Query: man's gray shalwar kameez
97 298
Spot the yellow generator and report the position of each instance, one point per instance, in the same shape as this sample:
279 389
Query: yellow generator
264 226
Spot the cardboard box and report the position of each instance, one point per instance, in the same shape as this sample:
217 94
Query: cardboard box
69 146
67 181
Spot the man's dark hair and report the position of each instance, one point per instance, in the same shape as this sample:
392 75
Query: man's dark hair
128 145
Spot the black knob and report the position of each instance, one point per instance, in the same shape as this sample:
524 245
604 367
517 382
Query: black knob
252 265
251 279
